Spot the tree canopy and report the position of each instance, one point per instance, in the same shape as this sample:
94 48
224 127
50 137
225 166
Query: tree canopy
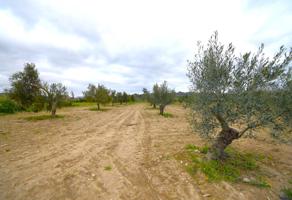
22 86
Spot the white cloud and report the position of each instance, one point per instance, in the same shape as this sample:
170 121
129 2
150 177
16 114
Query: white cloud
125 43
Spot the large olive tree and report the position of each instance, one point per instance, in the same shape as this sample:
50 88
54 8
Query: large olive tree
162 96
237 94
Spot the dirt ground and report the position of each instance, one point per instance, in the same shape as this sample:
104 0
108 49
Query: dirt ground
123 153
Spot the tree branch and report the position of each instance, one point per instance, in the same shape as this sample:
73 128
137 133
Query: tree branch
249 126
222 122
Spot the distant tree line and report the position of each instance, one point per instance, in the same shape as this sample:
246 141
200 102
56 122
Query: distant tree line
29 93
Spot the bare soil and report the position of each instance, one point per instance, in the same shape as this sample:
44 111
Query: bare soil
125 152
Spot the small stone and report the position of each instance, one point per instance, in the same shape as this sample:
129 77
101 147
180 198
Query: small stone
186 164
197 151
93 175
181 162
246 180
206 195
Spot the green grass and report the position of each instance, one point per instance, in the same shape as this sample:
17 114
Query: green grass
100 110
204 149
260 182
43 117
83 104
108 168
288 193
168 115
231 169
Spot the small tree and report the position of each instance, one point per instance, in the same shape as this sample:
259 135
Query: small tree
120 97
22 86
98 94
162 96
148 97
55 93
102 95
247 91
125 97
113 96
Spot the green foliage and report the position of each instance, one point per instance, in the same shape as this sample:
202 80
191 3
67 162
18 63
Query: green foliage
230 169
162 94
99 94
108 168
125 97
287 193
43 117
82 104
23 86
167 115
55 94
260 182
102 94
120 97
8 106
250 89
101 109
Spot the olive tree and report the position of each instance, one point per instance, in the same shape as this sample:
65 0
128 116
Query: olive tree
22 86
238 94
162 96
113 96
55 93
125 97
120 97
99 94
148 97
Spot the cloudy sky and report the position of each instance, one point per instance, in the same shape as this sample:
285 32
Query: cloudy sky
130 44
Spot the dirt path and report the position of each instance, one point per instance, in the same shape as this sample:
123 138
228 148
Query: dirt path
89 155
124 153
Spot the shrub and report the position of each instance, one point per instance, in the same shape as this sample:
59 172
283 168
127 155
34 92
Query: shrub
8 106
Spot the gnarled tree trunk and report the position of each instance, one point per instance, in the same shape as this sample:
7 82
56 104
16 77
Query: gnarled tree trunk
54 109
98 106
154 105
161 109
225 138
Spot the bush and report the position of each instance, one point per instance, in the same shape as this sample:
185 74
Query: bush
8 106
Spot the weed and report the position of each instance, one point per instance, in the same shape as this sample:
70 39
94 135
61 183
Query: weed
43 117
100 110
288 193
83 104
168 115
260 182
108 168
203 149
215 170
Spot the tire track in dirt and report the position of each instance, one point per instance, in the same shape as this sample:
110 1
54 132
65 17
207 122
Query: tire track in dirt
127 157
71 163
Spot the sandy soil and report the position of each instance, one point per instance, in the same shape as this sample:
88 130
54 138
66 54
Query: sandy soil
123 153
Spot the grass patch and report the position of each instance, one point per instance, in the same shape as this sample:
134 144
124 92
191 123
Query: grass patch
259 182
100 110
108 168
231 169
83 104
287 193
204 149
167 115
43 117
